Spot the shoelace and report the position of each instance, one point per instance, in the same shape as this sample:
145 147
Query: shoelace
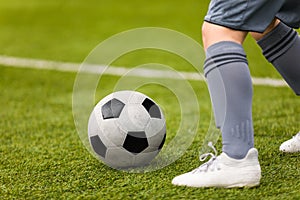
203 157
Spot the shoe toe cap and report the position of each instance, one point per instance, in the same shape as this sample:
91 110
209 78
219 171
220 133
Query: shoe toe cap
178 180
186 179
289 147
283 147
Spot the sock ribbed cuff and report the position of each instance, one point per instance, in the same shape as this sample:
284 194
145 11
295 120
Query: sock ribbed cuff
277 42
223 53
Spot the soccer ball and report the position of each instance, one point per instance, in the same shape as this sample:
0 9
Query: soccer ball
126 129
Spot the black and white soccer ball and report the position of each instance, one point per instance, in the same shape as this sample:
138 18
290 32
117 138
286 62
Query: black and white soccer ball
127 129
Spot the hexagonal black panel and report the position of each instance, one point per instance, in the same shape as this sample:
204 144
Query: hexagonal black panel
98 146
162 143
136 142
151 108
112 109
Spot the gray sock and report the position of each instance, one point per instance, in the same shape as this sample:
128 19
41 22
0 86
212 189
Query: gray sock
230 88
282 48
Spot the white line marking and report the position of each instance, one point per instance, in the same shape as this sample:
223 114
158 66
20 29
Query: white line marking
118 71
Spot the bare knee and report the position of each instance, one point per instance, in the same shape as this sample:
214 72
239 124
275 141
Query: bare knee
212 34
258 36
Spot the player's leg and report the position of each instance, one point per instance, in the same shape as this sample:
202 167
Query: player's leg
226 66
212 34
230 89
257 36
281 46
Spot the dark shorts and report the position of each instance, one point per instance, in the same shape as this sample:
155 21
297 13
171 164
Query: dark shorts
253 15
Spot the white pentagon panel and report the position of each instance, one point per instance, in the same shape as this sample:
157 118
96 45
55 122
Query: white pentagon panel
118 157
133 118
156 137
111 134
136 98
97 112
154 126
93 125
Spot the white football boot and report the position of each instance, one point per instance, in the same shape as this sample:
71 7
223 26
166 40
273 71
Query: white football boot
291 145
223 171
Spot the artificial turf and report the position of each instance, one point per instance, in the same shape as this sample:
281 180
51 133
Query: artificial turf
43 157
41 154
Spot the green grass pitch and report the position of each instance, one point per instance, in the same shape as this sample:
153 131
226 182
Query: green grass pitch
41 155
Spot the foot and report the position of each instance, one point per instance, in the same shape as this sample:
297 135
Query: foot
291 145
223 171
